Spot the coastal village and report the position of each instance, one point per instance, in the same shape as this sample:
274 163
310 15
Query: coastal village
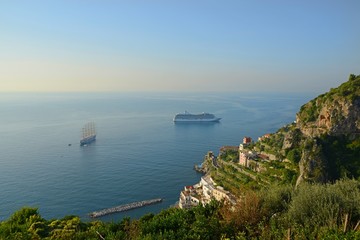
207 189
203 192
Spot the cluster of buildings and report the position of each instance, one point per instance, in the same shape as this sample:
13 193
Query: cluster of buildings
202 193
252 159
207 189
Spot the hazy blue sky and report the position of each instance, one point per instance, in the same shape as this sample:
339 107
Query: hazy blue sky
187 45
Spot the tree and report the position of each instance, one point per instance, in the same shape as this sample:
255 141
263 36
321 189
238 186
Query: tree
294 155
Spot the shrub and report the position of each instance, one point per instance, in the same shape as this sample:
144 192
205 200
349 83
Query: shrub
317 206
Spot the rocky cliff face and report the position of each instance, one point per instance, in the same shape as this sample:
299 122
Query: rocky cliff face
333 114
313 163
336 117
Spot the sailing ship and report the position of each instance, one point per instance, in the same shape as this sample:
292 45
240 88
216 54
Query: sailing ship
88 134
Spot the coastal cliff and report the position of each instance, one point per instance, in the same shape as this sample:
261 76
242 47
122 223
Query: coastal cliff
324 141
321 146
329 140
336 112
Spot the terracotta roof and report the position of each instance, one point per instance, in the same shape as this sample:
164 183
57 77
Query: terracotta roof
263 156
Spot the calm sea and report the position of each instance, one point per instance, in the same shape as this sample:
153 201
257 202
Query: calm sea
139 153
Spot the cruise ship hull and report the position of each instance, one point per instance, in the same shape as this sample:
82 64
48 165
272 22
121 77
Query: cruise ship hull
87 140
197 120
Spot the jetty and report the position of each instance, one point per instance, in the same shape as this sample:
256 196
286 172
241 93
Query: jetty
124 207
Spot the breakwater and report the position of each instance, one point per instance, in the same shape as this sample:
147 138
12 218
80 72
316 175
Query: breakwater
124 207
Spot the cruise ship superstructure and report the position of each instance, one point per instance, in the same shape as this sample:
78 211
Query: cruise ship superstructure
201 117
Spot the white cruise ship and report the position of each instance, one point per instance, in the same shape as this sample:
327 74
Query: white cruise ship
201 117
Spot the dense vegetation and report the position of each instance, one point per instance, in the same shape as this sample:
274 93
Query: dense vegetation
343 156
312 211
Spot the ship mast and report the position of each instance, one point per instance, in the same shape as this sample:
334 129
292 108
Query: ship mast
87 130
92 132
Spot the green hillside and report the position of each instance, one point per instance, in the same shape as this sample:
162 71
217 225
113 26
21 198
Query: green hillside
348 91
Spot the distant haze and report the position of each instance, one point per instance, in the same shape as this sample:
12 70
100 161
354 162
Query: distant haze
195 45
